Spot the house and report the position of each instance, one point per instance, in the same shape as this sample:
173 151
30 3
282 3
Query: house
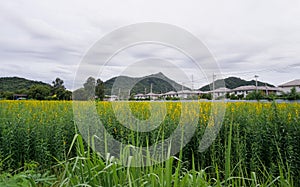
140 96
198 93
20 96
110 98
286 87
170 94
220 92
152 96
245 90
184 94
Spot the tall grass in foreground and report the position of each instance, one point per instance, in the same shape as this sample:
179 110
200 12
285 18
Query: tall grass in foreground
89 169
258 145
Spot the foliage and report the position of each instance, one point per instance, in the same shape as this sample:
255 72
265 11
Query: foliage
14 84
258 145
293 95
91 89
255 95
206 96
233 82
6 95
99 90
34 89
160 84
80 94
59 91
168 98
38 131
39 92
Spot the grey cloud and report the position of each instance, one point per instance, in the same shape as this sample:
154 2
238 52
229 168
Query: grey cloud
248 35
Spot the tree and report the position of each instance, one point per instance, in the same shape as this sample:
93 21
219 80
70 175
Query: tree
89 87
58 83
240 96
67 95
293 95
100 89
233 97
255 96
58 90
206 96
80 94
7 95
39 92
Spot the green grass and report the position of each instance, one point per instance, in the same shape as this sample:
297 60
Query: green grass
258 145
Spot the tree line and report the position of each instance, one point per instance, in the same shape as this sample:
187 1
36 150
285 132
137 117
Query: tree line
92 89
57 91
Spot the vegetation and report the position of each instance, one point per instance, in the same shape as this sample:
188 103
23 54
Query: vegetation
13 84
258 145
33 89
293 95
233 82
160 84
91 89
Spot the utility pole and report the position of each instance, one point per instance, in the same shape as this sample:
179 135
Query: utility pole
256 76
267 92
214 76
119 94
192 82
150 91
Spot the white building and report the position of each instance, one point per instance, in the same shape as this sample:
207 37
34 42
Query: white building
152 96
245 90
140 96
220 92
286 87
184 94
110 98
170 94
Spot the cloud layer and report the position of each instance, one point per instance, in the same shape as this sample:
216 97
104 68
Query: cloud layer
43 40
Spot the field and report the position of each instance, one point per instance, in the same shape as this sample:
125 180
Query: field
40 145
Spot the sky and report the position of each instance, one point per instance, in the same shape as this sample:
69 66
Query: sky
42 40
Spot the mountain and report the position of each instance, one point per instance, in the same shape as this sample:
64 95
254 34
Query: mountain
233 82
13 84
160 84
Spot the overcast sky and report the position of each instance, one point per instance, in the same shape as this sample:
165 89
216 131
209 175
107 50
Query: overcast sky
42 40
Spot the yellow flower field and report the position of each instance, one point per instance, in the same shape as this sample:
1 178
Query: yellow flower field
264 135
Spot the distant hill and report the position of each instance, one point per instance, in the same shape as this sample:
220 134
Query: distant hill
233 82
13 84
160 84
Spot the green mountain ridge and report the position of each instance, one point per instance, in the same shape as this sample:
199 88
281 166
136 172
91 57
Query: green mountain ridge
15 84
160 84
124 84
233 82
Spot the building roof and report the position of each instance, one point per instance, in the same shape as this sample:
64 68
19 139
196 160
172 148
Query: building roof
245 88
199 92
152 94
295 82
221 90
251 88
185 92
170 93
139 95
